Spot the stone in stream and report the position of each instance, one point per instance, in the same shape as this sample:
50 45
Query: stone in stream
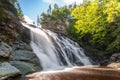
5 50
7 70
80 73
115 58
114 65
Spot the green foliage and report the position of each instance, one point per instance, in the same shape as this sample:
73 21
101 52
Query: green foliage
115 45
19 11
95 23
98 24
13 1
49 10
60 13
55 17
89 21
13 6
6 5
38 20
2 15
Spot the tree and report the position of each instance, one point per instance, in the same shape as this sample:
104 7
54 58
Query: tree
38 20
19 11
97 24
49 9
13 1
56 6
112 9
57 20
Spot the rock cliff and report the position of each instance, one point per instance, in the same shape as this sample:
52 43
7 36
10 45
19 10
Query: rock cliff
16 56
10 26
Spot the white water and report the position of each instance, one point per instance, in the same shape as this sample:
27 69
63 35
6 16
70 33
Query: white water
56 51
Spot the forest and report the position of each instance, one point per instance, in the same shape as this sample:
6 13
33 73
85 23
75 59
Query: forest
94 23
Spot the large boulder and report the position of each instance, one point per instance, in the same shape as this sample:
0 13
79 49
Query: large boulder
114 61
115 58
25 67
23 55
7 70
5 50
20 45
114 65
24 58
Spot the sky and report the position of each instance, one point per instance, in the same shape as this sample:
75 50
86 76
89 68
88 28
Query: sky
32 8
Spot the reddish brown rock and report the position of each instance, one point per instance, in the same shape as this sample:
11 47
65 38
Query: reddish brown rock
86 73
114 65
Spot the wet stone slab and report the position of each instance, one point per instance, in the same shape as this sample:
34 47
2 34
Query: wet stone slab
7 70
5 50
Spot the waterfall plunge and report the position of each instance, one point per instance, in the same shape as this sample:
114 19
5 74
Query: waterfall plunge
56 51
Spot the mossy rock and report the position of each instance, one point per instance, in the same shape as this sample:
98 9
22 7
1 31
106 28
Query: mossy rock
24 67
2 15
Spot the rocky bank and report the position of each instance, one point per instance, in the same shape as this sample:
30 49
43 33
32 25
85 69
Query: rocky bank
16 56
17 59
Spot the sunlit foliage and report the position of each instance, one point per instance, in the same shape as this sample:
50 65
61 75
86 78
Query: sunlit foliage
95 23
99 22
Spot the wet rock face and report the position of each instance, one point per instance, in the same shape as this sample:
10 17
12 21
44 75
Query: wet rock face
20 60
5 50
19 54
115 57
26 35
24 58
7 70
114 61
25 67
10 26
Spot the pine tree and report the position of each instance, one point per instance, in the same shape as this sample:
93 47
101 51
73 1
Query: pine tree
13 1
19 10
56 6
49 9
38 20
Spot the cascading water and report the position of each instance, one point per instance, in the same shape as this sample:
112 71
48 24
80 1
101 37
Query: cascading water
56 51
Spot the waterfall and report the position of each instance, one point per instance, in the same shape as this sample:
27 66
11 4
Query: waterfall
55 51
